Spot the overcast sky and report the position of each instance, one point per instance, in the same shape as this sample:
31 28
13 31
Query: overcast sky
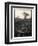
19 13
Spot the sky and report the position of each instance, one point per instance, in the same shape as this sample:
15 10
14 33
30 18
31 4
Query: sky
19 13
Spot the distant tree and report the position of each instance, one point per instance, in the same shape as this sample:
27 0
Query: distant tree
25 14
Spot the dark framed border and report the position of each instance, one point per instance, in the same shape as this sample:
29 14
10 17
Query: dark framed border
7 22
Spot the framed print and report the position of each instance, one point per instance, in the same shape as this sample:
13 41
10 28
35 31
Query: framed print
20 22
